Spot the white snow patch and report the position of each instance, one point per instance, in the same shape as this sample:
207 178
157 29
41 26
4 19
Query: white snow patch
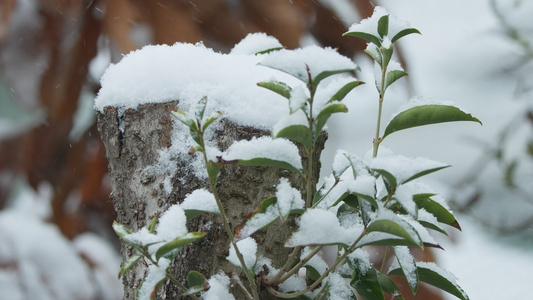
200 199
172 223
265 147
218 288
403 168
288 198
255 42
155 275
248 249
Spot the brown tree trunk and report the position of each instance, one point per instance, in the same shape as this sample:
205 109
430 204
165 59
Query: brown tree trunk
137 200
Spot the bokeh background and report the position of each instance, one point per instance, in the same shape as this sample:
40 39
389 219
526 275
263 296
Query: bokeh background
56 240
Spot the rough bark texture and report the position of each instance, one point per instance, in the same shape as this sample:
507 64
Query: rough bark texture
132 141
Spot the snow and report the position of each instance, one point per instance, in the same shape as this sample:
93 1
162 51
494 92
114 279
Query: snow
40 263
403 168
218 288
338 287
264 147
370 25
155 275
248 249
255 42
288 198
172 223
316 262
317 59
187 73
319 226
200 199
292 284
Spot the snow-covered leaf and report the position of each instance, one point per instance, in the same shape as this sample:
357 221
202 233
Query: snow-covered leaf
177 243
442 214
367 285
408 265
405 231
265 152
426 115
434 275
397 169
278 87
198 202
200 108
248 249
128 265
325 74
259 219
156 276
389 286
297 133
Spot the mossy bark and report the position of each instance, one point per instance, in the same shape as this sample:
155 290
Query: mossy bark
133 139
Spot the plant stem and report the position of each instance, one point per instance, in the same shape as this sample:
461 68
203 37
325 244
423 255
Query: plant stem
229 232
297 267
377 138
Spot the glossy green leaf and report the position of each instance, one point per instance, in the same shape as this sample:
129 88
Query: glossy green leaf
324 115
365 36
367 285
196 282
442 214
426 115
389 286
297 133
178 243
278 87
423 173
200 108
383 25
392 76
403 33
431 274
391 227
342 92
325 74
128 265
432 226
185 119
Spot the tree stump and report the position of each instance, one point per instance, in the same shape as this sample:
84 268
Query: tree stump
132 140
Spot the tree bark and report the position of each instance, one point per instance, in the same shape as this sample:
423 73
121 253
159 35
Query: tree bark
132 141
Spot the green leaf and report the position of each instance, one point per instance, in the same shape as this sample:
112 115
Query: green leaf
403 33
269 50
423 173
151 227
185 119
265 204
440 212
324 115
325 74
200 108
365 36
426 115
212 171
392 76
407 264
389 179
387 56
391 227
432 226
210 120
389 286
297 133
436 276
278 87
267 162
367 285
197 283
383 25
178 243
192 213
311 273
342 92
375 55
128 264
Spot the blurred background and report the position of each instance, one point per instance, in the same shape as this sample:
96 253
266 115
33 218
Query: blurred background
56 240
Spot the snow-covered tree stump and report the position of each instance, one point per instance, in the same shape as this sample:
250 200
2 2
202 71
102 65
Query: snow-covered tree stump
133 139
